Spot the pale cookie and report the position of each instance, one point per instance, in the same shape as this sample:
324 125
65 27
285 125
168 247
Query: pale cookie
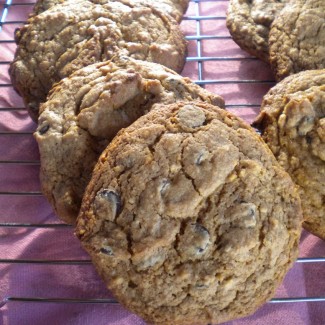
292 121
77 33
249 24
174 8
85 111
297 38
189 218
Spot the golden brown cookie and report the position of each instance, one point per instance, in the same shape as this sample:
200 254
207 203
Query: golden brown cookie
189 218
77 33
86 110
292 121
297 38
249 24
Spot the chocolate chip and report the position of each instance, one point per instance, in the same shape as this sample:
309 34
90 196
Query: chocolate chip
108 204
112 197
251 212
194 241
199 159
199 238
202 237
174 81
107 250
200 229
306 124
132 285
245 213
309 139
44 129
125 58
165 184
201 156
201 286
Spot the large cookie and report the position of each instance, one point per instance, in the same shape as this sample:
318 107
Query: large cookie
188 218
297 38
85 111
175 8
77 33
292 121
249 23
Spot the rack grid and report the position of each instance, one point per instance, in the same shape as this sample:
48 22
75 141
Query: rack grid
214 62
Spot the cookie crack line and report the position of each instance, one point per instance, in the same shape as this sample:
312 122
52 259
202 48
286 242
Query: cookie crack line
186 174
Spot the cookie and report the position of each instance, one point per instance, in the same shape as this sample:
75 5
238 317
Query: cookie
292 121
75 34
174 8
297 38
249 23
86 110
188 218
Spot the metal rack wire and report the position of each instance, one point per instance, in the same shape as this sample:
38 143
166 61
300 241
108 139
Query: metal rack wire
198 59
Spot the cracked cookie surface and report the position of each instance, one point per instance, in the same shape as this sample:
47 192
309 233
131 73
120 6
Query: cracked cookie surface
86 110
42 5
249 24
292 121
174 8
77 33
188 218
297 38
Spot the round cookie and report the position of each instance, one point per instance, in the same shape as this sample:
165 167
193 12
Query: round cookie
77 33
297 38
188 218
249 23
174 8
292 121
86 110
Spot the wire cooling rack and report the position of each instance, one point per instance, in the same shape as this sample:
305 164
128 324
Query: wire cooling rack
41 263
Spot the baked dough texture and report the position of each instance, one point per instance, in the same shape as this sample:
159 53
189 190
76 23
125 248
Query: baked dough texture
174 8
188 218
292 121
42 5
297 38
77 33
249 24
86 110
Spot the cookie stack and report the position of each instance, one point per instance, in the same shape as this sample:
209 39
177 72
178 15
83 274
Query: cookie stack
84 112
185 212
290 35
77 33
